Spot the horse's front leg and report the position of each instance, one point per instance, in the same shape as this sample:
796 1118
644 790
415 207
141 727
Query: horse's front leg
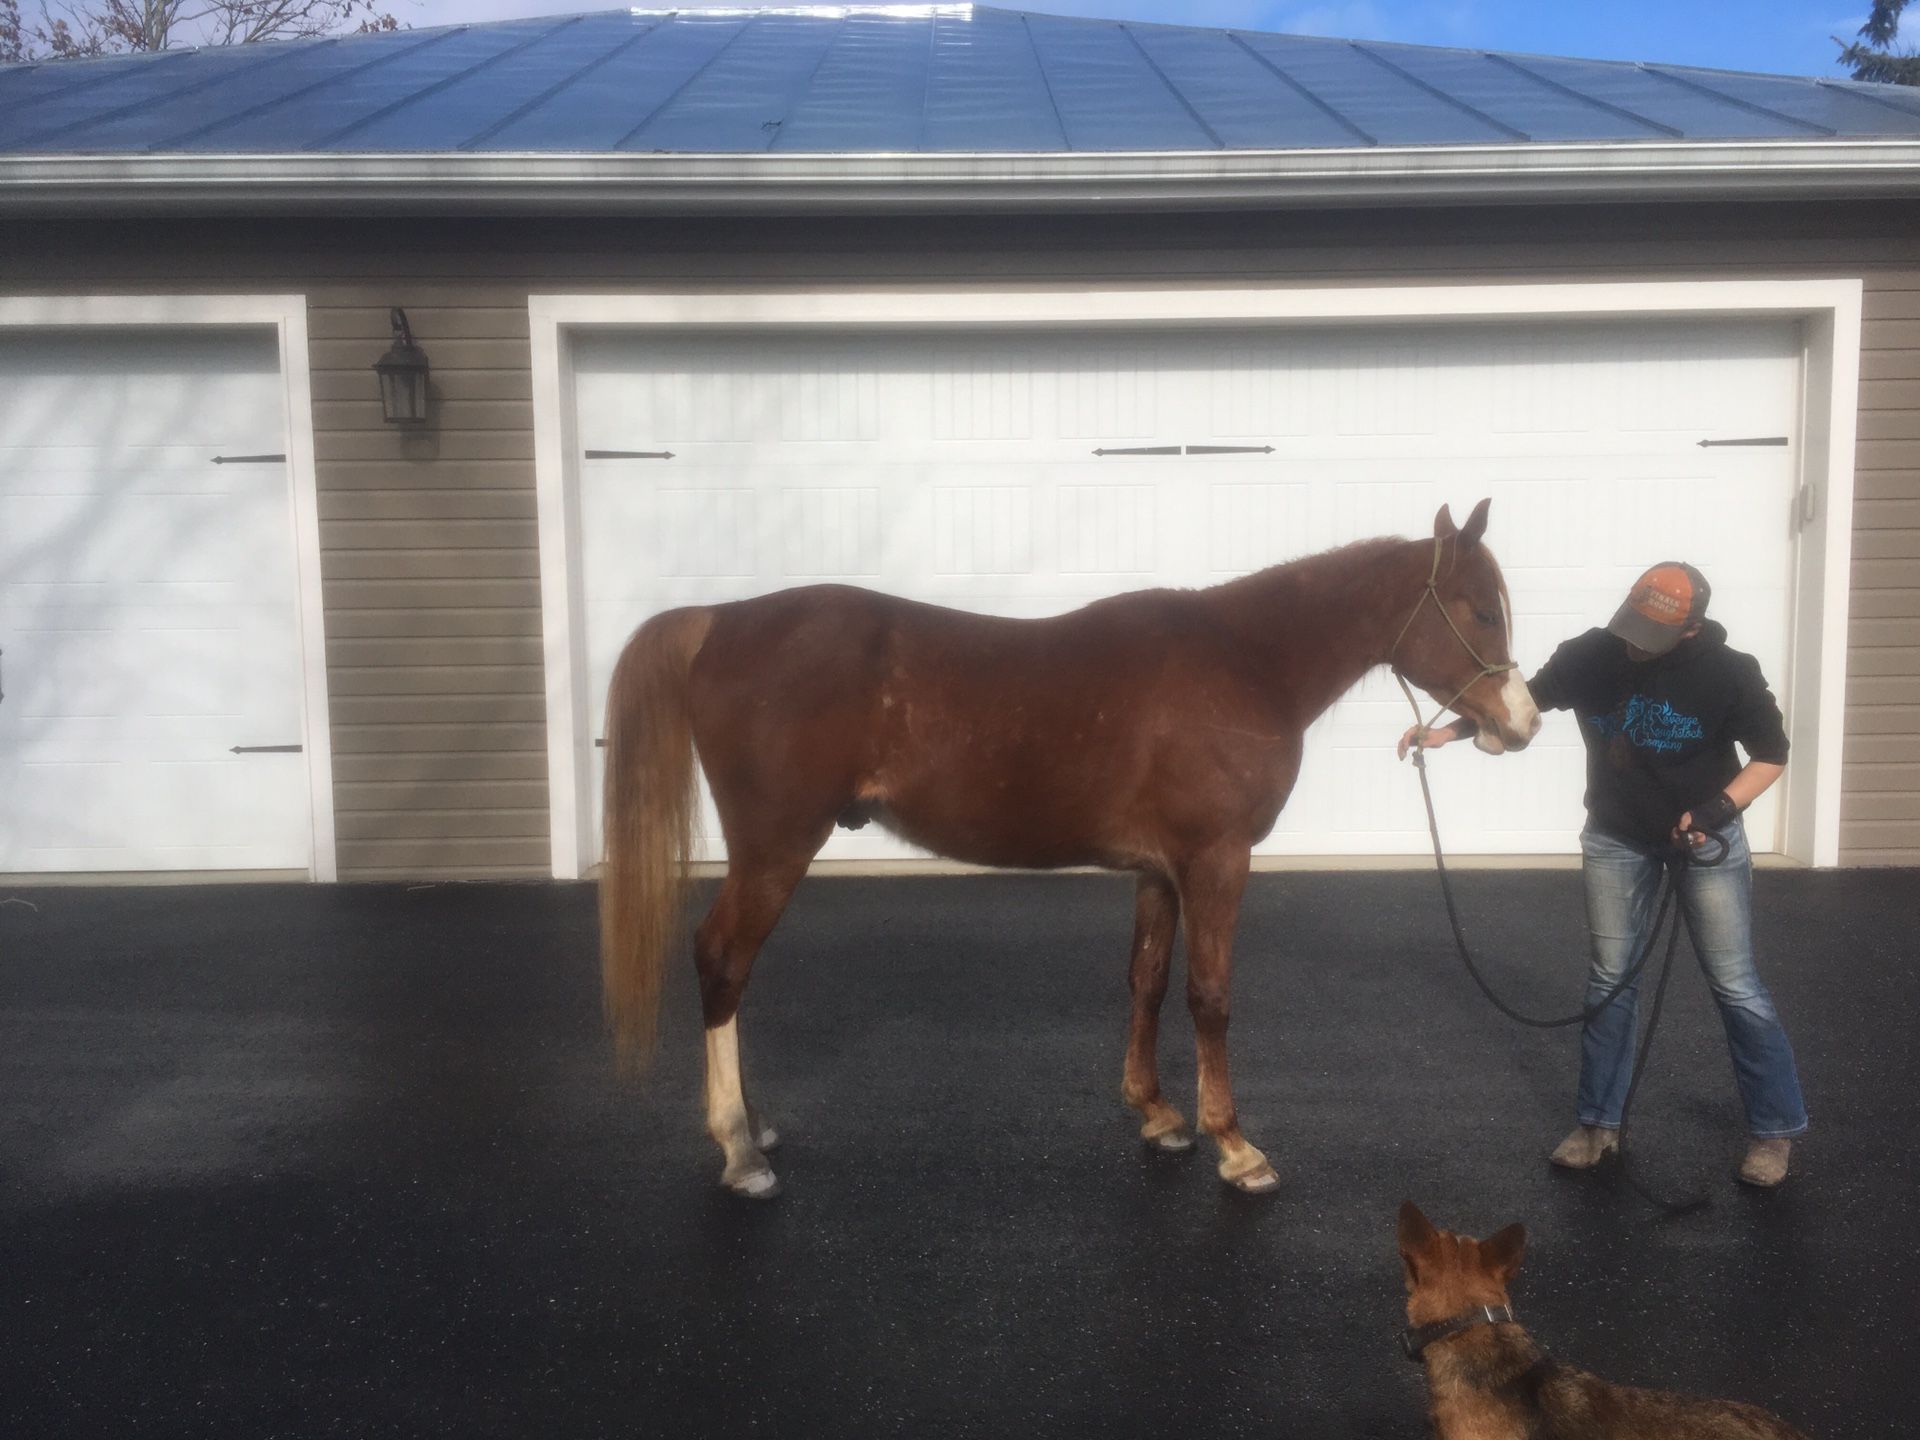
1211 885
1156 915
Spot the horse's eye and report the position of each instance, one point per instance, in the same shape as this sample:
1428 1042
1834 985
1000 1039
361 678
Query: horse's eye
1485 619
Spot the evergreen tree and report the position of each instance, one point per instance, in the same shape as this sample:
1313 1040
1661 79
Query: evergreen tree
1877 59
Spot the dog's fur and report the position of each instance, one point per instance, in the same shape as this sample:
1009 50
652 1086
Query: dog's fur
1493 1383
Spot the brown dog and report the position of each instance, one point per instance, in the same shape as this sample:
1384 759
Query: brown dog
1487 1380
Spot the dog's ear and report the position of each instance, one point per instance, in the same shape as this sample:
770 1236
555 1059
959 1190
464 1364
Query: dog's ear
1443 525
1476 525
1502 1251
1416 1240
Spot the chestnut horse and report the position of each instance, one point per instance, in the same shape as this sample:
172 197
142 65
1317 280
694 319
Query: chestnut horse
1157 732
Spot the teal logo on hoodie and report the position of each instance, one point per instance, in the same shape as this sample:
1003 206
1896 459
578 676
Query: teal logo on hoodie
1649 724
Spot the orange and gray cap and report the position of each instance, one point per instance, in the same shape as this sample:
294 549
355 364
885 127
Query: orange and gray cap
1663 603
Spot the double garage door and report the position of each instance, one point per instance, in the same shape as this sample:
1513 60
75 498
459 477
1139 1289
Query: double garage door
1026 473
151 694
151 678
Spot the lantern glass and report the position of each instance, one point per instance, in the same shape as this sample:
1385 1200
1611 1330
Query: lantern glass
403 394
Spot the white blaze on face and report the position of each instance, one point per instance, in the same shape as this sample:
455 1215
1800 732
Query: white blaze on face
1522 714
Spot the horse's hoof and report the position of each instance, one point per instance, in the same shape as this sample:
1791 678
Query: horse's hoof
755 1185
1176 1141
1260 1180
767 1138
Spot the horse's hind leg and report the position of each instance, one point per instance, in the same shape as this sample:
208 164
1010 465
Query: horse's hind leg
1210 890
1156 915
750 902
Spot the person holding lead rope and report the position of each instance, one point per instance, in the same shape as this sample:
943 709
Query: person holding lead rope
1662 700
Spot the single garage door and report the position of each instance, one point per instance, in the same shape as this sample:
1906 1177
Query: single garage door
149 636
1027 473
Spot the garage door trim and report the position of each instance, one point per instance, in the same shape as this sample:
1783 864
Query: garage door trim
287 316
1830 310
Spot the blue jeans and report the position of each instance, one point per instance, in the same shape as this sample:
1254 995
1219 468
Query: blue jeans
1623 885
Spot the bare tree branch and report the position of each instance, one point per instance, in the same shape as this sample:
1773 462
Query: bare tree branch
13 36
70 29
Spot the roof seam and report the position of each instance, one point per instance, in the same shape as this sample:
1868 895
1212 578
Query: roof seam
1172 89
78 86
441 84
1438 93
35 136
926 90
1046 80
1734 100
1861 92
527 108
1298 87
1585 98
798 94
400 52
681 89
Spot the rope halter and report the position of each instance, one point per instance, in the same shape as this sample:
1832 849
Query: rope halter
1432 592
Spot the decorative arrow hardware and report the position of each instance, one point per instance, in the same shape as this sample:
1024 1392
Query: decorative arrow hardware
1756 440
267 749
1190 450
629 455
249 459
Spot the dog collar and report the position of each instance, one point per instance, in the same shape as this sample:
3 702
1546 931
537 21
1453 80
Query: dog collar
1416 1338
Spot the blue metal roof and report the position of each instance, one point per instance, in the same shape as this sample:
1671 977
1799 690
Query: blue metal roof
891 79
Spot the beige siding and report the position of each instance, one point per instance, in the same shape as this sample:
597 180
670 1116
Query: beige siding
1880 795
429 540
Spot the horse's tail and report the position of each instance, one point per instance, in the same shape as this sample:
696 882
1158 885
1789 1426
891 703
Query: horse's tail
652 791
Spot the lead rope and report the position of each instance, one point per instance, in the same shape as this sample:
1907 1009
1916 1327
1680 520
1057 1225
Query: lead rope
1669 885
1672 867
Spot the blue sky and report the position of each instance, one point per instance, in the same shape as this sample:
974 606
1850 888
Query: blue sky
1785 37
1790 37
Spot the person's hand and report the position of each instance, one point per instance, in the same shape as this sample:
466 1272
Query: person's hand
1685 834
1436 737
1716 814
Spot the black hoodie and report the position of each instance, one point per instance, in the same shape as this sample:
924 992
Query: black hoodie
1660 733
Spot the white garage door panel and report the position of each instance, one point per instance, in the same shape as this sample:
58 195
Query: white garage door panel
961 470
148 606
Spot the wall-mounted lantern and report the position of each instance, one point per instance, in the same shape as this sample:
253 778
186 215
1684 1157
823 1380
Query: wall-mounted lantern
403 376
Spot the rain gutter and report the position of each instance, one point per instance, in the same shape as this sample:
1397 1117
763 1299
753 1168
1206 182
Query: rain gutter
728 184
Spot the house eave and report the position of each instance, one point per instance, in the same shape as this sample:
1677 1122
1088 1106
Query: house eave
732 184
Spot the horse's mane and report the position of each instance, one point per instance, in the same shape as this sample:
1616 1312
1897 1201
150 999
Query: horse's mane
1326 571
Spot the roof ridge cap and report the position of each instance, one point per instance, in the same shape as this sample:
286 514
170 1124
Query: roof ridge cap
927 10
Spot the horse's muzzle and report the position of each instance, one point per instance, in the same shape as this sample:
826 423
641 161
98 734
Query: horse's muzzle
1513 723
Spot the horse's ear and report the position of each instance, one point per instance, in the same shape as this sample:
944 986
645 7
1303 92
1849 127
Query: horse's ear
1443 524
1476 523
1416 1239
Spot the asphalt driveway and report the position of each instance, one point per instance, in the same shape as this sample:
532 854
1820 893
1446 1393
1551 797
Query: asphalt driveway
314 1161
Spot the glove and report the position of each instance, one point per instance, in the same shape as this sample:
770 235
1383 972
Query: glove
1715 814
